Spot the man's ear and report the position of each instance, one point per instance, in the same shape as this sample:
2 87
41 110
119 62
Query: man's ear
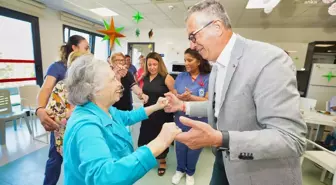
218 27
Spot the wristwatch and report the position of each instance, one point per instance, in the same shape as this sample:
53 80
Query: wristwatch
225 141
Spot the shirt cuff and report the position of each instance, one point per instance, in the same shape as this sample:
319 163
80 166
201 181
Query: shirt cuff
145 157
187 108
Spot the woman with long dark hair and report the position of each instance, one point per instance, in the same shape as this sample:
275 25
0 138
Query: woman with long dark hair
191 85
55 73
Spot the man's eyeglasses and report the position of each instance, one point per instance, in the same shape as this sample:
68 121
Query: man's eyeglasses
192 36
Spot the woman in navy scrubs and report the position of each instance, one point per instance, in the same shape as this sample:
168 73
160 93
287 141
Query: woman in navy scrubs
191 85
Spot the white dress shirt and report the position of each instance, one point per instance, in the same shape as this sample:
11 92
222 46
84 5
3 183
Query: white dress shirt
222 63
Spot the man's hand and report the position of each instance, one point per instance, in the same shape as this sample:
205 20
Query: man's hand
174 104
46 121
200 135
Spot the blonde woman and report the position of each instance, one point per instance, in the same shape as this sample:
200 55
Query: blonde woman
58 107
118 64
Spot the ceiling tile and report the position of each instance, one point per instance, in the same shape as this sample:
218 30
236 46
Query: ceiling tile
156 17
188 3
147 8
321 12
133 2
177 7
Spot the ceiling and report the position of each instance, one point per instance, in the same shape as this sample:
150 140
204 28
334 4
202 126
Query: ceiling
289 13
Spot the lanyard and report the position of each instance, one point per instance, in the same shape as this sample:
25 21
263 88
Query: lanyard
200 82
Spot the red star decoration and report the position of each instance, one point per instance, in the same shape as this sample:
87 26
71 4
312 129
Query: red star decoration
112 33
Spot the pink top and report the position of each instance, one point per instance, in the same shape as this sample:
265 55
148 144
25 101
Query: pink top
139 74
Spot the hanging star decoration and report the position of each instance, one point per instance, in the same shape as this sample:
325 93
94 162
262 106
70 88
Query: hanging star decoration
330 75
137 17
112 33
137 32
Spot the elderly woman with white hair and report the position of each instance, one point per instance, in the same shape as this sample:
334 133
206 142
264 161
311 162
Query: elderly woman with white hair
98 149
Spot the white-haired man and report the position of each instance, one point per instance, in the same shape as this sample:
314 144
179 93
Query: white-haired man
253 108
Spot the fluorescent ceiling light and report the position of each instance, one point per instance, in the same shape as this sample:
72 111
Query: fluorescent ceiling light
255 4
105 12
291 51
324 45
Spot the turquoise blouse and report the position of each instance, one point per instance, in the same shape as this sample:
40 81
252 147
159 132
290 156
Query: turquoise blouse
98 149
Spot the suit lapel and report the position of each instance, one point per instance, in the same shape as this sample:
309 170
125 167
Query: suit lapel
211 91
236 54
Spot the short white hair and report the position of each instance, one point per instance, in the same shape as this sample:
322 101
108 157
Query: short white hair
211 9
84 78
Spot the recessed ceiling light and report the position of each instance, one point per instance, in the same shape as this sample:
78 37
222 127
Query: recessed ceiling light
324 45
105 12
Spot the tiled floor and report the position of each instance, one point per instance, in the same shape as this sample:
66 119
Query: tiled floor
23 160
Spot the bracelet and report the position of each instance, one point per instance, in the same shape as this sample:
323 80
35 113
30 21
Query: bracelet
37 110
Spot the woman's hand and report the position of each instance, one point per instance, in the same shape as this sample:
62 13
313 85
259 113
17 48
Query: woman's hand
161 103
164 139
144 98
119 70
186 96
47 122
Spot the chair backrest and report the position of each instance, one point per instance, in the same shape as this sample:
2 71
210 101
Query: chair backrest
307 103
28 95
5 102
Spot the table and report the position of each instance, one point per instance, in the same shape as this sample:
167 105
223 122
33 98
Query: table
320 120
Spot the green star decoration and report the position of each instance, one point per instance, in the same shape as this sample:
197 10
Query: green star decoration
137 32
106 37
330 75
138 17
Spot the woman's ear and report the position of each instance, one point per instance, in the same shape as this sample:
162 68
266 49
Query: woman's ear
74 47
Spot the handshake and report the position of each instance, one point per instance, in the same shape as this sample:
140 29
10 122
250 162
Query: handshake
200 135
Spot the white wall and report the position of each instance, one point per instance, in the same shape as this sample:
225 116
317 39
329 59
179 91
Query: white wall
170 42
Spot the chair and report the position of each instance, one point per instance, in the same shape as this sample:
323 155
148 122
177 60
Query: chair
325 158
28 95
6 114
307 104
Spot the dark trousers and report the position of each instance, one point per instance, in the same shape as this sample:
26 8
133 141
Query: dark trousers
186 158
54 164
218 173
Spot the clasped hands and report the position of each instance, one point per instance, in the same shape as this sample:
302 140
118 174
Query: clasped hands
200 135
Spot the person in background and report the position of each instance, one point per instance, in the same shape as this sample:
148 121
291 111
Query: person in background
191 85
330 141
56 73
58 107
157 82
140 74
128 82
332 105
130 66
98 149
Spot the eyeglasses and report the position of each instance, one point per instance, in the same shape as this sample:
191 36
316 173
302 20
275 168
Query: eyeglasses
192 36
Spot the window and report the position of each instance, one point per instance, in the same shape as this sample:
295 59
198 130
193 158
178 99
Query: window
20 54
98 47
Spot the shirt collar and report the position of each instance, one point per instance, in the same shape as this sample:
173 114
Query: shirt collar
225 55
